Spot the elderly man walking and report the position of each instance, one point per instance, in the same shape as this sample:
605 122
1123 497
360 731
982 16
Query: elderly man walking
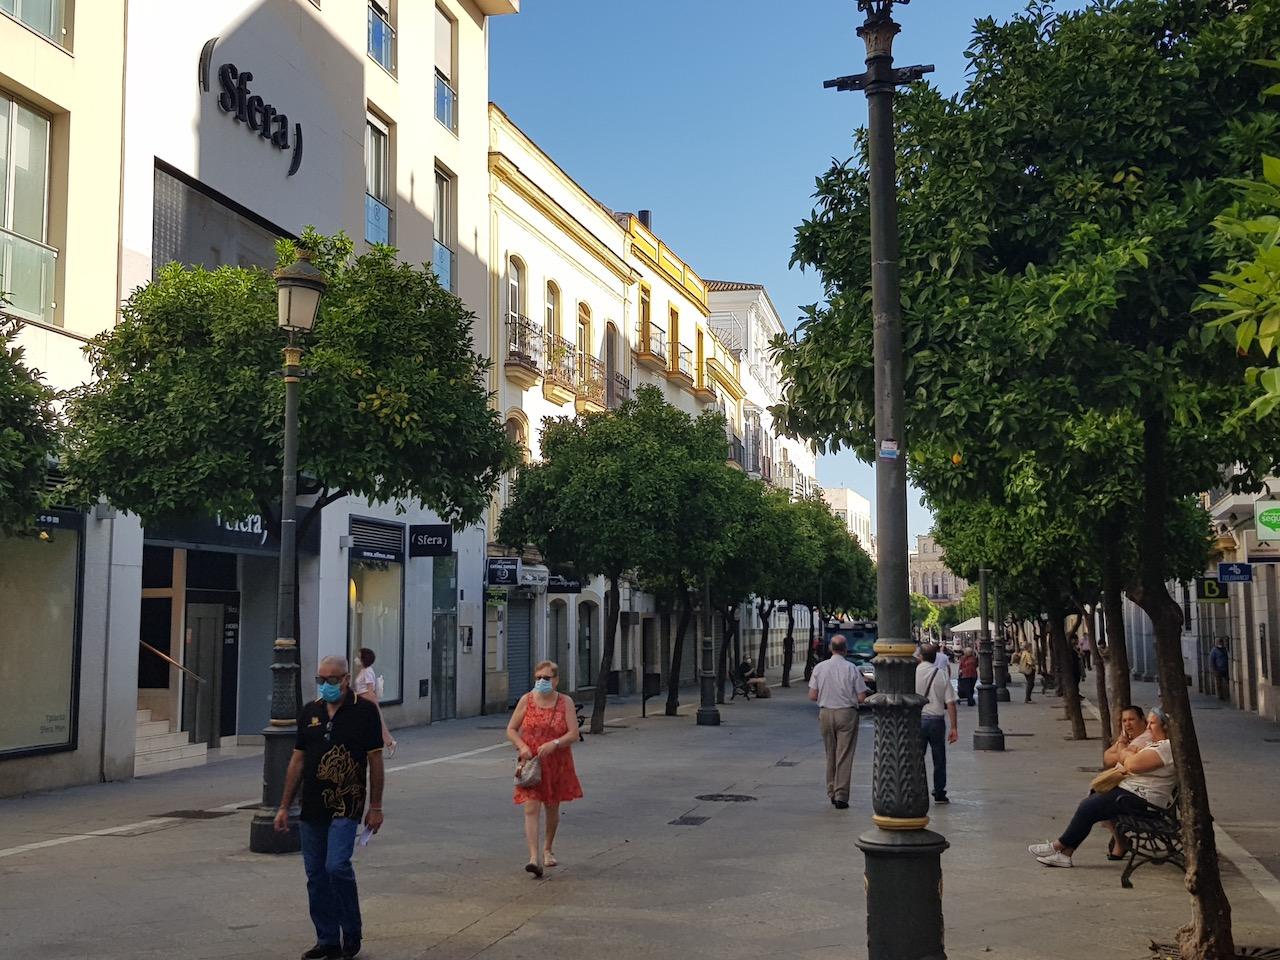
339 736
837 687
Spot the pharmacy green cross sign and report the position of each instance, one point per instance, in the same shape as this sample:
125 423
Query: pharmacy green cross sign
1267 518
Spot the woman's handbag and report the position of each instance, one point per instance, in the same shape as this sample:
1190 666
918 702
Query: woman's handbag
529 772
1108 780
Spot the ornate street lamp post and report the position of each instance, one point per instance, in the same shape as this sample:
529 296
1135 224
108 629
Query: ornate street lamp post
988 735
298 290
708 712
1000 655
903 876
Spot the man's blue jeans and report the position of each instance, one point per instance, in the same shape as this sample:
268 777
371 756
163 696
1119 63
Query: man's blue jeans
331 880
933 737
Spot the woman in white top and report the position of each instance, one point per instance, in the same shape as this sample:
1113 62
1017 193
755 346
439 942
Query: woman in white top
367 687
1149 785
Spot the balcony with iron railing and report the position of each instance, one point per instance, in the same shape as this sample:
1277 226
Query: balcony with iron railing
591 384
651 346
681 368
618 392
524 350
27 270
560 376
446 102
382 39
736 451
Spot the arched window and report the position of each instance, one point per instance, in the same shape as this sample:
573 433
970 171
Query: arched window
515 287
517 431
583 333
553 308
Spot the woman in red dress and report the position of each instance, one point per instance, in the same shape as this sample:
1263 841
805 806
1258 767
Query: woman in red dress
540 725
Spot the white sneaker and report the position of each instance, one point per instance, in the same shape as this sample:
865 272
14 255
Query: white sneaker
1041 849
1056 859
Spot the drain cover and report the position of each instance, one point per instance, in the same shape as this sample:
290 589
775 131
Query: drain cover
787 763
725 797
1089 769
196 814
688 821
1008 734
1271 739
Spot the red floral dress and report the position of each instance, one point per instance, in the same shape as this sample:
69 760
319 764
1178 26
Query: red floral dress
559 782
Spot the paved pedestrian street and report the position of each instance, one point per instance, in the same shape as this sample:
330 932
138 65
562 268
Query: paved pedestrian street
100 871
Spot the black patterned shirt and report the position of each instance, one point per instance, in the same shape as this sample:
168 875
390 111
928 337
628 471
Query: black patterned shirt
336 751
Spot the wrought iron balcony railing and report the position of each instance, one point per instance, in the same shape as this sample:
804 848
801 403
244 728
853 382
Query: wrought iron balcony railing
562 362
524 341
619 391
591 382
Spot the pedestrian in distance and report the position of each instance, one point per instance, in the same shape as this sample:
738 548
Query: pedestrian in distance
369 687
837 687
968 675
933 682
540 727
1026 663
1219 663
339 745
1147 788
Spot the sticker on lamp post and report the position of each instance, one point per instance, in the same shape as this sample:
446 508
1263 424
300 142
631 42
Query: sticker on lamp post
1267 519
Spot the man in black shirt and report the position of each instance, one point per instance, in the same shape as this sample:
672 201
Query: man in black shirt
338 736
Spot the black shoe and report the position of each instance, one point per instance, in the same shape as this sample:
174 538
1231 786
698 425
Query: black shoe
941 798
351 949
840 804
323 951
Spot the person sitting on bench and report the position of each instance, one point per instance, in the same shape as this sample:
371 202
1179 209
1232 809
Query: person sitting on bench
1147 789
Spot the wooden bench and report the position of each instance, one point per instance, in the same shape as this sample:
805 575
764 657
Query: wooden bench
1152 838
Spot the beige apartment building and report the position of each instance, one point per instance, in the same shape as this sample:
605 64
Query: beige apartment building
930 575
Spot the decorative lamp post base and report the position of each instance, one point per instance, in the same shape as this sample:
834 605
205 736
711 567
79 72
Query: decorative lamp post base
708 712
911 927
988 735
1002 694
263 838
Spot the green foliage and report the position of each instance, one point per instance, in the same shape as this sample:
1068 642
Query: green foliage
1247 293
27 435
185 416
924 612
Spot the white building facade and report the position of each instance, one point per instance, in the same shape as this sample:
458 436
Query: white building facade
854 511
238 123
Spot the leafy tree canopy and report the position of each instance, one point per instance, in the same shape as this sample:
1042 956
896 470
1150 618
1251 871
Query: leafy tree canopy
27 435
186 414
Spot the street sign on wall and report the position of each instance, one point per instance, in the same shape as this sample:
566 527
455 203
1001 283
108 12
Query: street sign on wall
503 572
1267 519
1209 590
1235 573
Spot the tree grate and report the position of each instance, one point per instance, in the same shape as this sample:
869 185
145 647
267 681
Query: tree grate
196 814
687 821
1164 951
724 797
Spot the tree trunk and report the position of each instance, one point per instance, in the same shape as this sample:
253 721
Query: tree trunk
811 655
1099 672
766 612
1208 935
611 601
1118 689
789 645
1067 676
677 654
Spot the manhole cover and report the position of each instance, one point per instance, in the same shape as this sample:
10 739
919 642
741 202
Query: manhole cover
724 797
688 821
1164 951
787 763
196 814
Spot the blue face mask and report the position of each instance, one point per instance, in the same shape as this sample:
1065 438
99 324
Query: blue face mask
542 686
330 692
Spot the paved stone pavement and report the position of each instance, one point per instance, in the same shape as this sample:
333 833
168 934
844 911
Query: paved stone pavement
777 876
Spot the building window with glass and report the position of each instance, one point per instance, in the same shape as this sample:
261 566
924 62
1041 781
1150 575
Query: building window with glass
39 594
46 17
382 36
443 258
375 601
377 181
27 262
553 308
446 71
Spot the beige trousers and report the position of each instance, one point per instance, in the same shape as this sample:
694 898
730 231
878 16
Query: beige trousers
840 738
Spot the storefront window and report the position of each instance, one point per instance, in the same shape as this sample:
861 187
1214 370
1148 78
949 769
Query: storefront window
39 581
587 656
375 619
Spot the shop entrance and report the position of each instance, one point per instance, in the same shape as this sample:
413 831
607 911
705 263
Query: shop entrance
201 697
444 638
519 649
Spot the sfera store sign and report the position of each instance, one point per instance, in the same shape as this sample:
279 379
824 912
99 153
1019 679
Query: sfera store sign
238 99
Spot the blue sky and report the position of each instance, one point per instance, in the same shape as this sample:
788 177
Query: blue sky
712 114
